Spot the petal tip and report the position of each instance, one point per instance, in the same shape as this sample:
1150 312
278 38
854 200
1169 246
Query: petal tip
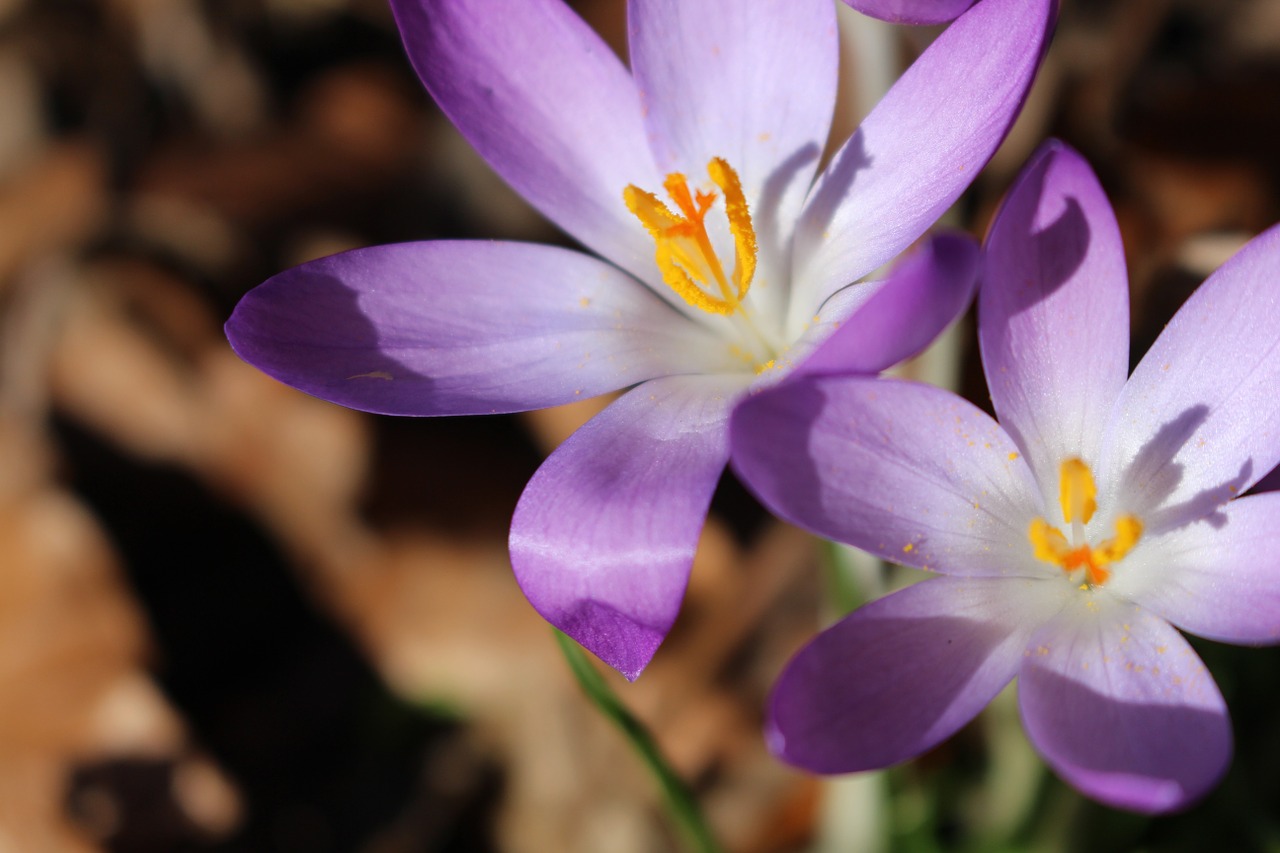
620 641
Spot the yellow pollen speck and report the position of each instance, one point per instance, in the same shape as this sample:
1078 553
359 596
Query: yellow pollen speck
908 548
768 365
683 249
584 302
1012 456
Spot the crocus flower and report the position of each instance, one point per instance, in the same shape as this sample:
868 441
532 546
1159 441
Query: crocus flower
912 11
1073 535
693 176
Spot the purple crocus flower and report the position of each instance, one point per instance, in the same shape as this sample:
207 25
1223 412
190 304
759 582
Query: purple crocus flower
912 11
693 175
1073 534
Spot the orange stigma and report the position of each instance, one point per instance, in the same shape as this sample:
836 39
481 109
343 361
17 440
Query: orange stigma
684 252
1077 494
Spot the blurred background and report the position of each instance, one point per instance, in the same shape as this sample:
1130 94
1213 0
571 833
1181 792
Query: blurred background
235 618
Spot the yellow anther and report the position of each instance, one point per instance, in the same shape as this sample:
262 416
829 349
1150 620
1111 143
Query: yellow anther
1128 532
1078 496
1077 491
1048 542
683 249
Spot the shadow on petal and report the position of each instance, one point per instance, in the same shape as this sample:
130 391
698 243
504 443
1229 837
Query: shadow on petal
1144 756
313 335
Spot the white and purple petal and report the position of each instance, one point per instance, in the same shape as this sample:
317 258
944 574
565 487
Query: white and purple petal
754 83
919 148
898 318
907 471
898 676
1053 312
1121 707
1218 578
1199 420
604 535
451 328
550 107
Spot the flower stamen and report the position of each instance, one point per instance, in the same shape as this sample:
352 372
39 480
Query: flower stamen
684 252
1077 494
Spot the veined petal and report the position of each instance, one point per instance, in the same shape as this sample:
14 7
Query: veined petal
923 295
604 534
754 83
902 674
909 472
912 11
920 147
547 104
1198 421
452 328
1219 579
1053 312
1122 708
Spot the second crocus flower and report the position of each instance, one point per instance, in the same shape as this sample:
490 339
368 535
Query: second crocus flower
1073 537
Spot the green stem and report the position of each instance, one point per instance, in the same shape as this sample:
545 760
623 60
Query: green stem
680 801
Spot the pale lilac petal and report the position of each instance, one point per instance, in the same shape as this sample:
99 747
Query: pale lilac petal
753 83
1198 422
920 147
547 104
912 11
450 328
1053 312
1219 578
903 673
1122 708
604 534
906 471
924 294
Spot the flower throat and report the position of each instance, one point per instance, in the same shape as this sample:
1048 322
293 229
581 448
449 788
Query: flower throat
1078 493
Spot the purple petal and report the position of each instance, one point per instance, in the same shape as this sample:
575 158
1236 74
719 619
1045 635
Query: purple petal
1122 708
906 471
923 295
754 83
912 11
604 534
1219 579
1197 423
450 328
1053 312
547 104
921 146
903 673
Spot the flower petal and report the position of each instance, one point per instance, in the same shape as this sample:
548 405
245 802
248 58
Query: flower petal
903 673
923 295
906 471
604 534
1122 708
548 105
920 147
1197 423
754 83
1053 312
451 328
912 11
1219 579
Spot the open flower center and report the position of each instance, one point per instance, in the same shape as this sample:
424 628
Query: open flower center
1078 494
686 254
